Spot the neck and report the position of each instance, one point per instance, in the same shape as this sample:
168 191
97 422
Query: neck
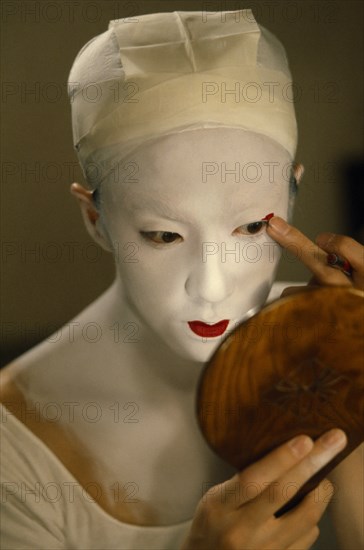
142 344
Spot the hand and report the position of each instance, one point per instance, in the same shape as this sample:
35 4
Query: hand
314 256
240 512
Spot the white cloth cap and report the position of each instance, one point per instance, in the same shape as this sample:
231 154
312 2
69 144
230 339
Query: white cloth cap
171 72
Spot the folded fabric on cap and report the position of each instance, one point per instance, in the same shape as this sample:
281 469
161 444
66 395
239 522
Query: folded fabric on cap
171 72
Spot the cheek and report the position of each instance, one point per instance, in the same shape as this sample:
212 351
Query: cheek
152 277
260 254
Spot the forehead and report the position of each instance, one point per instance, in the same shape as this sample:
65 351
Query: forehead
206 166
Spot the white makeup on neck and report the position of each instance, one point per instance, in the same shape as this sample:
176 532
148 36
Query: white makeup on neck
190 217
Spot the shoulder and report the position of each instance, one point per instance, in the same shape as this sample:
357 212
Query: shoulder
28 518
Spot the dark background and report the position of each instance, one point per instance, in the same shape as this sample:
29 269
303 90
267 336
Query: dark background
50 268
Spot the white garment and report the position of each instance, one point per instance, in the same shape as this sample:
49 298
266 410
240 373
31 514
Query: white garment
44 507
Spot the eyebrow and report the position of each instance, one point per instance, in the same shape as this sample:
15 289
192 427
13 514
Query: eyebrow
160 208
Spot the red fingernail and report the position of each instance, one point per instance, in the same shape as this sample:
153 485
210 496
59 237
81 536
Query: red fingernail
332 259
267 217
344 265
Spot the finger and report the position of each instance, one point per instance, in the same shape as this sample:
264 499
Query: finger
283 489
307 540
348 248
308 513
306 251
255 479
343 246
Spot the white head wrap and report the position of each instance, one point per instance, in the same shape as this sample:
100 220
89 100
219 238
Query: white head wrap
171 72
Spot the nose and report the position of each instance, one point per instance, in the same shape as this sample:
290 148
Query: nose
210 280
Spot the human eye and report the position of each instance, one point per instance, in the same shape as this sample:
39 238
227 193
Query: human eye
161 237
253 228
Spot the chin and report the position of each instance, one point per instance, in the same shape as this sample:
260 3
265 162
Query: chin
198 351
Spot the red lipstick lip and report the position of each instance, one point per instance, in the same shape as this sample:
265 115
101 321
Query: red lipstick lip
208 331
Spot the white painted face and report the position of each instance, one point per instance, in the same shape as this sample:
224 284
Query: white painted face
189 246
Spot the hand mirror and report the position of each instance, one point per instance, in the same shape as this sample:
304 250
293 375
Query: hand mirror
295 367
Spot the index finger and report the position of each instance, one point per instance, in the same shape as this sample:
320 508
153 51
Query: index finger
305 250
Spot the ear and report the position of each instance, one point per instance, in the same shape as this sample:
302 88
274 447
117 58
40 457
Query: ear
298 172
90 215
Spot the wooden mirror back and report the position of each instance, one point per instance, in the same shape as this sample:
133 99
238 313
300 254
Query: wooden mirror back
296 367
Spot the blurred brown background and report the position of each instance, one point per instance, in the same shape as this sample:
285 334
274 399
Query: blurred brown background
50 268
